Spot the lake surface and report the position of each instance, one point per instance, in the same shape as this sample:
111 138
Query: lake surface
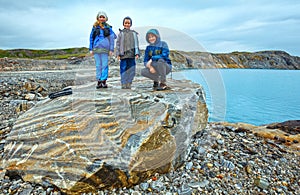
253 96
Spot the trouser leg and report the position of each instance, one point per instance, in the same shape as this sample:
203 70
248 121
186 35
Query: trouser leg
123 67
131 67
98 66
162 68
104 66
146 73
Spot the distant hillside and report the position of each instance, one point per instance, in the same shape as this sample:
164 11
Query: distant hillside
181 59
255 60
44 54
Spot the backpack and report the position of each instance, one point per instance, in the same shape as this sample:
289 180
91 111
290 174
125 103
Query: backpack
97 32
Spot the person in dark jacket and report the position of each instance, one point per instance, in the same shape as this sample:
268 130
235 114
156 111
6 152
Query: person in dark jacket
127 50
101 46
157 62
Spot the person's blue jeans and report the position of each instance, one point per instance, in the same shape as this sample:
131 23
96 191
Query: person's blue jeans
101 60
127 70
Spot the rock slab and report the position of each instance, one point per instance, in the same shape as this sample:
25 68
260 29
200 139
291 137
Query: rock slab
104 139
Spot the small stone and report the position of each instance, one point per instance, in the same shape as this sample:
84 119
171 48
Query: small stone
144 186
185 190
261 183
220 141
209 165
204 183
200 150
248 169
284 183
189 165
29 96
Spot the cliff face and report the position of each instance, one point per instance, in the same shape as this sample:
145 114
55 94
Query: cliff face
256 60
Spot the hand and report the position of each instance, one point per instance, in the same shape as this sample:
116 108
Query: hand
91 53
152 70
149 63
110 53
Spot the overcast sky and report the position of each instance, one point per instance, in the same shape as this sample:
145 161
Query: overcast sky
210 25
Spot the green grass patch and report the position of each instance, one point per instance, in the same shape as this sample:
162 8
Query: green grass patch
44 54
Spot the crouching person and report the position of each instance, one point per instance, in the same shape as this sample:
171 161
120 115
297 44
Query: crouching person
157 62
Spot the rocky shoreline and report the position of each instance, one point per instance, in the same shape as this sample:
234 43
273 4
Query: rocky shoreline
223 158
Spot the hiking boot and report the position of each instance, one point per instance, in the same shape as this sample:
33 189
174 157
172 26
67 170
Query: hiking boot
163 86
104 85
155 85
123 86
128 86
99 85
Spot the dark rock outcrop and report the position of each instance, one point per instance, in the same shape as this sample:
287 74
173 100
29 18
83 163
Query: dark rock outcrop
255 60
291 127
286 133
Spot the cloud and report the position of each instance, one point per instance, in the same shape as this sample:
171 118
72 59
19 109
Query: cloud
218 27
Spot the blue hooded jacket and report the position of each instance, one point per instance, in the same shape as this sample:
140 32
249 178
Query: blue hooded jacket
158 50
103 42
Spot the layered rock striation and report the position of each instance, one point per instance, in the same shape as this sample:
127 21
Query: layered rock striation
111 138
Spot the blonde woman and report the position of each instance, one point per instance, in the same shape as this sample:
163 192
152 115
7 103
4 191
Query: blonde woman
101 46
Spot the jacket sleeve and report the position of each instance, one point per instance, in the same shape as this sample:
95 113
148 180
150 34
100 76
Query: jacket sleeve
164 52
91 39
136 44
146 56
118 44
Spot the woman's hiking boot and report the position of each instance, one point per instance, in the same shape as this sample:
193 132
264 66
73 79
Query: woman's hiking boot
99 85
104 85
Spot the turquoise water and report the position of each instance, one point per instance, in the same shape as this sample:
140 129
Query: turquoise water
253 96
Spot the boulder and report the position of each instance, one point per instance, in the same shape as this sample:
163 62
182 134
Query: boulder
106 138
291 127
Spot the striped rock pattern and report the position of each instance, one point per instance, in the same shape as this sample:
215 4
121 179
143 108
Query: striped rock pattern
109 138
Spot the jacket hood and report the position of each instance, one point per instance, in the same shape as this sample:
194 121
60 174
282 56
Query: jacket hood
155 32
